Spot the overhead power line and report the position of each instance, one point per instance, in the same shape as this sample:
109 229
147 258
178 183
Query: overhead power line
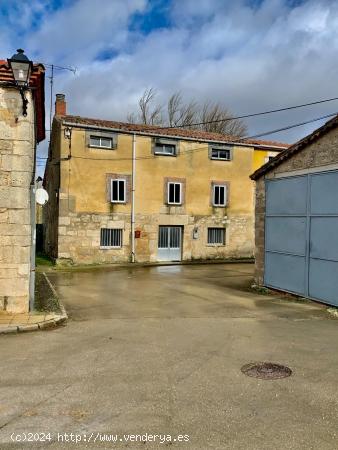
247 138
197 149
245 116
288 127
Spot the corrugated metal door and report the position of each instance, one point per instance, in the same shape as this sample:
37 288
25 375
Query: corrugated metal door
301 235
169 243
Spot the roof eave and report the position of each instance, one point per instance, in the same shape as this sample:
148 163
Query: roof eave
299 145
170 136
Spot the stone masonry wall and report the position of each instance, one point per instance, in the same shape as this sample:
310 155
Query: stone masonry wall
16 163
79 237
319 155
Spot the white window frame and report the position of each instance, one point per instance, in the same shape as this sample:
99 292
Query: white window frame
107 247
118 191
163 145
224 186
222 244
100 139
168 193
220 149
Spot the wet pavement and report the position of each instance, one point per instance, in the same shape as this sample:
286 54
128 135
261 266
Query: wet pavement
159 350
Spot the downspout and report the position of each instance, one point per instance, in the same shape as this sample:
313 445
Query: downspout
133 176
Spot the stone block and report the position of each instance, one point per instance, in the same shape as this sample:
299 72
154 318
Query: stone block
5 178
23 269
18 303
20 179
14 287
4 215
19 216
8 273
14 229
64 220
62 231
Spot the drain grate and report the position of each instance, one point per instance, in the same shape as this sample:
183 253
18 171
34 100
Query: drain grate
266 370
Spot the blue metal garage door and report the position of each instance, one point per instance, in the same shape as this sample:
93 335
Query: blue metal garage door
301 235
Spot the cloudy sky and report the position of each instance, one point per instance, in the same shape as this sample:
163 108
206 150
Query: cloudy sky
250 55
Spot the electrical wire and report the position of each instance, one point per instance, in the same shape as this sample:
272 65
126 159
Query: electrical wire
277 130
196 149
245 116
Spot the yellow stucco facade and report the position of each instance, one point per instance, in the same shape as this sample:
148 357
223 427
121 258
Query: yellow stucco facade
79 182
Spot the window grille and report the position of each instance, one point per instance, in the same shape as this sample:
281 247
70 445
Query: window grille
111 237
216 236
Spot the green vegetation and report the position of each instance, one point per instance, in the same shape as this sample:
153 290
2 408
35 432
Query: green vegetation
43 260
45 298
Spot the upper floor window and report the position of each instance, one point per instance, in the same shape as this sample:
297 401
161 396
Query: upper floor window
220 153
118 191
219 195
101 142
165 147
174 193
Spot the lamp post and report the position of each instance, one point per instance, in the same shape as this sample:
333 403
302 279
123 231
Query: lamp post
21 68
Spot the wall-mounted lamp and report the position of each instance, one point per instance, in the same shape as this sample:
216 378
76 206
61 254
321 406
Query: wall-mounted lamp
68 133
21 68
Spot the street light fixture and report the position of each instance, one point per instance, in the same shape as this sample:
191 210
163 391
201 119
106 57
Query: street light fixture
21 68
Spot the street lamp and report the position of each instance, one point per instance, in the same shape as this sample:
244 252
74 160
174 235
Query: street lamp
21 68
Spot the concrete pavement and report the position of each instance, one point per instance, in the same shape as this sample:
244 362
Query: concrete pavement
159 350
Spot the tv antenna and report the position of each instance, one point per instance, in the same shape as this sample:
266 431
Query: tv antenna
51 78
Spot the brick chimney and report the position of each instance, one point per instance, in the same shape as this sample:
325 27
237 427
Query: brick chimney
60 105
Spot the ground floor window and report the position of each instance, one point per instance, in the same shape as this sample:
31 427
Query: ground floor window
216 236
111 237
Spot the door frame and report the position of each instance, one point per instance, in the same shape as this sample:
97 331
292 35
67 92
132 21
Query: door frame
181 229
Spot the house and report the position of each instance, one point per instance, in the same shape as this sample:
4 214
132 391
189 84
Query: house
297 217
126 192
19 136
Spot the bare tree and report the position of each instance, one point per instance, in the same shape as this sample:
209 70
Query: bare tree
212 117
217 119
150 113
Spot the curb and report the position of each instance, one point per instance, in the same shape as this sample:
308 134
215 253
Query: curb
117 266
50 323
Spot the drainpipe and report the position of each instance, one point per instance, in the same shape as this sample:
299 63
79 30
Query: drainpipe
133 176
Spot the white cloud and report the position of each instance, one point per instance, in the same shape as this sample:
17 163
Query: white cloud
250 58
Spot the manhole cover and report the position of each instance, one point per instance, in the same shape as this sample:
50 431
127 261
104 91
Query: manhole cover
266 370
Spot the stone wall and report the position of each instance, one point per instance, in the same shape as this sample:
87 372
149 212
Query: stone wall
16 163
320 155
79 237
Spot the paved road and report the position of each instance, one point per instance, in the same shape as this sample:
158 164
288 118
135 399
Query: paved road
159 351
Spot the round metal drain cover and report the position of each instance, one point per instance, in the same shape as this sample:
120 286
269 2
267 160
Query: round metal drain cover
266 370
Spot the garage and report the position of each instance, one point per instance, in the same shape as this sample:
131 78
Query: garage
296 225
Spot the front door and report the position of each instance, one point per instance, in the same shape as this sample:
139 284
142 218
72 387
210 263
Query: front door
169 243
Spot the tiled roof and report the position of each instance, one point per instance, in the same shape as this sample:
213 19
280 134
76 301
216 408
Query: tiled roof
37 81
174 132
295 148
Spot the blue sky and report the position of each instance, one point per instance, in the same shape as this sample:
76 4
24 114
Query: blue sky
250 55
